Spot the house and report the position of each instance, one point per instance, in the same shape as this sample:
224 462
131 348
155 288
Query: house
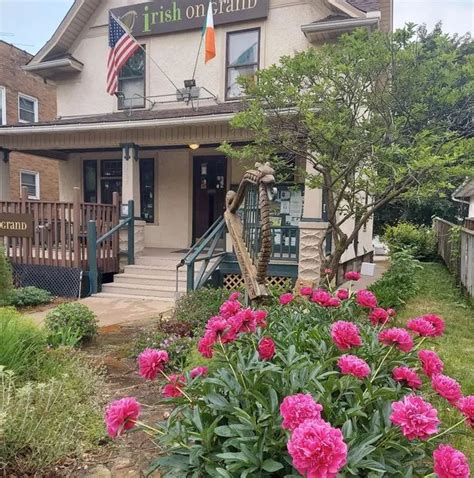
26 98
465 194
155 141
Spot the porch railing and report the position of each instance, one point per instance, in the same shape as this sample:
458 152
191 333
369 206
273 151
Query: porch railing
60 232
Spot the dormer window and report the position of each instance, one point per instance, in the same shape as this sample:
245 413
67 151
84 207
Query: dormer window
131 82
243 56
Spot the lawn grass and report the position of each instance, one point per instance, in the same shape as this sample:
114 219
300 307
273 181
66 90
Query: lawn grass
439 295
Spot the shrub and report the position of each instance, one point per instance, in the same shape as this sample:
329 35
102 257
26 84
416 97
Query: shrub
268 413
22 343
177 346
420 241
43 422
399 283
197 306
72 319
6 279
29 296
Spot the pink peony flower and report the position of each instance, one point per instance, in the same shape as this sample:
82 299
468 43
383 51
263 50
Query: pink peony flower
345 335
286 298
306 291
121 415
466 407
216 326
174 387
430 362
244 321
437 322
295 409
421 327
317 449
378 316
391 312
342 294
321 297
151 362
416 418
260 318
230 307
266 348
352 275
205 345
365 298
407 375
398 337
234 296
450 463
199 372
334 302
353 365
447 387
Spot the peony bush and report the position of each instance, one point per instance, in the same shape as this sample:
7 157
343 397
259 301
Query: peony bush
320 385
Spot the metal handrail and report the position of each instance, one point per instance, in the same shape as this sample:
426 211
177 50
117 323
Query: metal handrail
93 241
211 238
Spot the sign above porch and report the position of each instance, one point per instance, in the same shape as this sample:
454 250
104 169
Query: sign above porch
167 16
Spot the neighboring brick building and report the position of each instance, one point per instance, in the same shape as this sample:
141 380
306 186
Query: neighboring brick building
26 97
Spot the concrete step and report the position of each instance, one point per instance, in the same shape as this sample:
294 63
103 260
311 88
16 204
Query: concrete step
110 295
125 288
166 262
155 271
158 280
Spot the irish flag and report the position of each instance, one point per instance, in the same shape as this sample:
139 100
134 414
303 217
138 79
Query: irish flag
209 36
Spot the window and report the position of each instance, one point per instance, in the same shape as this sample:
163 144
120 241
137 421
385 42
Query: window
243 51
147 189
131 83
3 105
27 109
111 179
90 180
30 179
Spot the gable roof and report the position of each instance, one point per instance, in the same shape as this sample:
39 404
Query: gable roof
365 5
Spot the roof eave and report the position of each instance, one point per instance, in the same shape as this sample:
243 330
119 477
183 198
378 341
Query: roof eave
51 68
314 31
114 125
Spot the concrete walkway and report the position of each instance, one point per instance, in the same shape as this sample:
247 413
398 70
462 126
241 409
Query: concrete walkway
381 265
114 311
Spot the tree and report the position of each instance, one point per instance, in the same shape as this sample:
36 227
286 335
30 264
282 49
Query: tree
378 116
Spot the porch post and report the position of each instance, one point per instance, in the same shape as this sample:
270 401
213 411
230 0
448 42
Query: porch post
4 176
130 175
312 229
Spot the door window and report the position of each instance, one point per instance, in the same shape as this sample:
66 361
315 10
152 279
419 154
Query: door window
147 189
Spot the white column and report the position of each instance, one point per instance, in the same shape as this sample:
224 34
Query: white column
131 176
4 178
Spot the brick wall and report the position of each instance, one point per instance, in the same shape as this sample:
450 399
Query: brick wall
15 81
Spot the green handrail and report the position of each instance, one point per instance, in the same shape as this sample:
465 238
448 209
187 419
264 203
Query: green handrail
93 242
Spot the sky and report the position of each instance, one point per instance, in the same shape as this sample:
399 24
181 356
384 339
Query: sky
30 23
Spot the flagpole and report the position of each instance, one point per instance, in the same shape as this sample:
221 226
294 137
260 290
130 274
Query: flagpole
143 49
197 56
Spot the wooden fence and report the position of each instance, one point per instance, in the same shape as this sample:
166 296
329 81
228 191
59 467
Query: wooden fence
456 247
60 233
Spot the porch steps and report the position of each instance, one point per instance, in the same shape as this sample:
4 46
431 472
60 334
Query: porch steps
108 295
151 277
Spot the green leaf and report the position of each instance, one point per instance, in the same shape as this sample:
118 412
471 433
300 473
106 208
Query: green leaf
271 465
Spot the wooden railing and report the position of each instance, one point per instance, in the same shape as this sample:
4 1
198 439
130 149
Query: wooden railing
456 247
60 233
250 232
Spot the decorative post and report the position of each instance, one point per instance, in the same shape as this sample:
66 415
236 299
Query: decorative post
130 174
92 256
76 226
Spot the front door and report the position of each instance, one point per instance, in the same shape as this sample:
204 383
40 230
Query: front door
209 185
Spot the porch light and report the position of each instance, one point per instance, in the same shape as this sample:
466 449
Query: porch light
194 146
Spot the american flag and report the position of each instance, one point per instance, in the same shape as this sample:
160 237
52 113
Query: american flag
122 46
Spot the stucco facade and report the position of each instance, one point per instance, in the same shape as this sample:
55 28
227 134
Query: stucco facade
91 129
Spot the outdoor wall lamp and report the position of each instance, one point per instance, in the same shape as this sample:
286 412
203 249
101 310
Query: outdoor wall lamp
194 146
